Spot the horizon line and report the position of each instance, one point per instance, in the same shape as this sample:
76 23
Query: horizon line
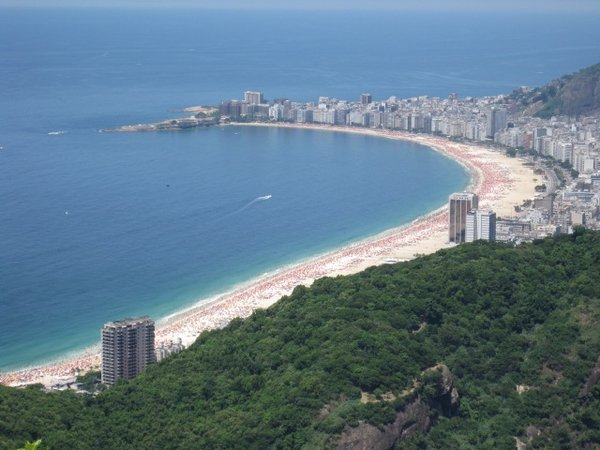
182 5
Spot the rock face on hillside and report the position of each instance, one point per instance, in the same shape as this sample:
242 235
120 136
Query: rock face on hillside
591 381
414 417
571 95
446 398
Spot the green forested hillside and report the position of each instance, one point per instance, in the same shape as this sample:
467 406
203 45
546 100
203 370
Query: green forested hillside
291 376
572 95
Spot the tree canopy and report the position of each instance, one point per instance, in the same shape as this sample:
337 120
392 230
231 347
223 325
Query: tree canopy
517 326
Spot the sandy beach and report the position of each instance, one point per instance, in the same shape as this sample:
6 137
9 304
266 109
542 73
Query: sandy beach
501 183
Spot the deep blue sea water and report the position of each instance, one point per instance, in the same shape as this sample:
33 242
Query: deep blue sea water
100 226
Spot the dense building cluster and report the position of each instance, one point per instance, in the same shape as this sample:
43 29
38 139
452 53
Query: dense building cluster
564 150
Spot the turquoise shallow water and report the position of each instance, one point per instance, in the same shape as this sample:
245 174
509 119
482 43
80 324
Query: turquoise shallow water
100 226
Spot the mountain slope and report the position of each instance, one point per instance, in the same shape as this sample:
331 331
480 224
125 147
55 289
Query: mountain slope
518 329
572 95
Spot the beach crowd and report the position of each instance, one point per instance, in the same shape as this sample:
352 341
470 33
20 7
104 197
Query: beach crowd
491 180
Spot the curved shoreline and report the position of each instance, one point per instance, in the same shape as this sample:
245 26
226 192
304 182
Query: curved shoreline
494 177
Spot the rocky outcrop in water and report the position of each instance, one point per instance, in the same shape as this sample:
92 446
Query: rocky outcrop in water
168 125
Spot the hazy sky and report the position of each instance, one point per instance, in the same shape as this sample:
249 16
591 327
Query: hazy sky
420 5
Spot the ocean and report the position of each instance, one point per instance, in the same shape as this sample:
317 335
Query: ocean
100 226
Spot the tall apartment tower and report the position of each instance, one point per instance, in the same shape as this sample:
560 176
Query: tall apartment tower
365 99
496 120
460 204
253 98
480 225
127 348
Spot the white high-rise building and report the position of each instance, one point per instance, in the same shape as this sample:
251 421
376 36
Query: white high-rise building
253 98
480 225
276 112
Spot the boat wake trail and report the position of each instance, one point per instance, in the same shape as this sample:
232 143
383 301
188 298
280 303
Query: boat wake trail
262 198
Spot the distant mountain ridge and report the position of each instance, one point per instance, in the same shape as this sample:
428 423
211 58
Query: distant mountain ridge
571 95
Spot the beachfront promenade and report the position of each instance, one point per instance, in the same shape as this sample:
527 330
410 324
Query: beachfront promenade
500 182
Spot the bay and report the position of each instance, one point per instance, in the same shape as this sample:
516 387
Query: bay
99 226
147 223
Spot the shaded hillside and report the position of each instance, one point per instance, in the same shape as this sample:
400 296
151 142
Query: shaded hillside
518 329
572 95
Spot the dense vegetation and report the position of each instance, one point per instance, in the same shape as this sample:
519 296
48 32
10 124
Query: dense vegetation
497 316
572 95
